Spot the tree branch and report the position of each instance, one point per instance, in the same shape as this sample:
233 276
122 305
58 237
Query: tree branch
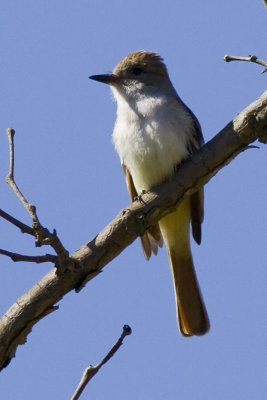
36 259
92 370
89 259
42 234
253 59
10 179
23 227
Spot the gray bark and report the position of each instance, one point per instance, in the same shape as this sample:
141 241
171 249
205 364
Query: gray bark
86 262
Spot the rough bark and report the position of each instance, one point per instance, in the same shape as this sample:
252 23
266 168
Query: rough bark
91 258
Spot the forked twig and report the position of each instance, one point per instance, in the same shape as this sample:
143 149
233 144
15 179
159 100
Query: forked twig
250 58
91 371
43 235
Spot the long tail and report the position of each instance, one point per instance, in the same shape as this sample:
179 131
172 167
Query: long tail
191 311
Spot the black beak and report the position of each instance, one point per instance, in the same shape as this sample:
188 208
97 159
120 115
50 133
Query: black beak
107 78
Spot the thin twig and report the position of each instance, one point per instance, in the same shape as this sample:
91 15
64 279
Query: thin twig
91 371
250 58
43 235
23 227
10 179
21 257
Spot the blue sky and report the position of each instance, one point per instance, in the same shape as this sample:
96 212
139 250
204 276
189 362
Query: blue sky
66 165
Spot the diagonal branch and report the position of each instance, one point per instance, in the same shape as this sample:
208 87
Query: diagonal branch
92 370
91 258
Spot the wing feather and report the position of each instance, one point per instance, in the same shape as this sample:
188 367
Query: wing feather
197 198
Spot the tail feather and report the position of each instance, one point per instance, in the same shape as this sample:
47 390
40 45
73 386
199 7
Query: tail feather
151 241
191 312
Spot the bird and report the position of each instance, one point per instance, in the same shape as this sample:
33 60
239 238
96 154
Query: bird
153 133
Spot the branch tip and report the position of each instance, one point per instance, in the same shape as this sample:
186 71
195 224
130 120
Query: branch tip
249 58
92 370
10 132
127 330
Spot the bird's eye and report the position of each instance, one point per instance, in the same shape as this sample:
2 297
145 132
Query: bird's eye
137 71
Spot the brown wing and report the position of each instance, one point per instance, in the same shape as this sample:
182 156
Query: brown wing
152 238
197 198
197 213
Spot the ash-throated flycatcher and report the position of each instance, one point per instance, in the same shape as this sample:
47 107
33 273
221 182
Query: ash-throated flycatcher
153 133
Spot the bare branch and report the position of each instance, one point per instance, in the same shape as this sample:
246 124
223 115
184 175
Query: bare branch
36 259
42 235
10 179
133 221
45 237
91 371
253 59
23 227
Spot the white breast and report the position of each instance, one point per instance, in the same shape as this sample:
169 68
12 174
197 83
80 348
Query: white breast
151 136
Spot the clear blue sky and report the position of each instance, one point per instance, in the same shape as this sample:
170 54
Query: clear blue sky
67 166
